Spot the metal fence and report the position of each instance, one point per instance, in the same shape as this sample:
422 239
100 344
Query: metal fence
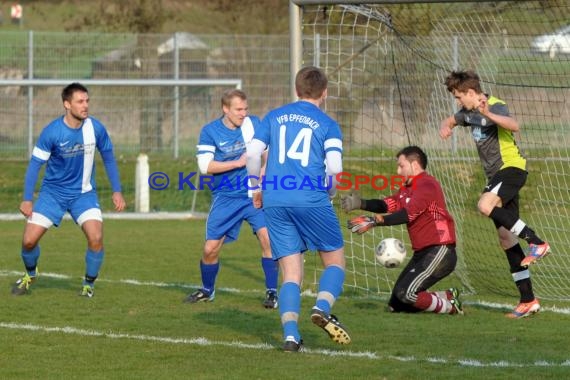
154 118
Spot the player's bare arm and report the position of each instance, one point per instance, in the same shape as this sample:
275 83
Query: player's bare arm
506 122
217 167
446 127
257 199
119 201
255 151
26 208
264 163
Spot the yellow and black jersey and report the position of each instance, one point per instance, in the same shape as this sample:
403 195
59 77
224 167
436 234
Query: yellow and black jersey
496 146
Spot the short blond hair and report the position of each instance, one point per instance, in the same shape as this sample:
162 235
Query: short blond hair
228 95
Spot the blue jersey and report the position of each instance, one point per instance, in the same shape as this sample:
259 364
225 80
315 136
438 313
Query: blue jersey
226 144
70 156
299 135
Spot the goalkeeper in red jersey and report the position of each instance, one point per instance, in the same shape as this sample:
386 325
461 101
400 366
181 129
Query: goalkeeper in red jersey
420 204
492 128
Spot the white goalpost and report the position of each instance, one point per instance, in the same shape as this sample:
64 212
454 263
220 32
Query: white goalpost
386 62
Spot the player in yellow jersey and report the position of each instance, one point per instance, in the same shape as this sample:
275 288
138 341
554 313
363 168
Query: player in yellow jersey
492 128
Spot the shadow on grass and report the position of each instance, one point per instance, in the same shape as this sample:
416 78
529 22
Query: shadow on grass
262 325
45 283
236 265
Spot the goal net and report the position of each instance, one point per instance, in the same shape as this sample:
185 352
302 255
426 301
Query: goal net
386 64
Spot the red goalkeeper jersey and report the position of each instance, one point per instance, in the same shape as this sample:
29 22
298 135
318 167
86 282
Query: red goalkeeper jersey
429 222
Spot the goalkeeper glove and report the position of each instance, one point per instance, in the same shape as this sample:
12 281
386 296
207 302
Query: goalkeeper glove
361 224
350 202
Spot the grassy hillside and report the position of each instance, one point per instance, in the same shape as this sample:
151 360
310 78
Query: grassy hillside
195 16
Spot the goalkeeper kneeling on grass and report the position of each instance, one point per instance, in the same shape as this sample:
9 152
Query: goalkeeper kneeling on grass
420 204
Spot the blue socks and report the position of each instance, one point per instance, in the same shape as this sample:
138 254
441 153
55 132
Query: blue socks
271 270
93 262
331 282
289 308
30 259
209 274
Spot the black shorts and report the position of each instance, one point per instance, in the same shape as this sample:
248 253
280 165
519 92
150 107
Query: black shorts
425 269
507 183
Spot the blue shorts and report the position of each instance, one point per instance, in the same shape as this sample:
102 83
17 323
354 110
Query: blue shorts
49 209
296 229
227 215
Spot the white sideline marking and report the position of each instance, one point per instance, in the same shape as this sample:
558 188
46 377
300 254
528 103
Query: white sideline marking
128 281
201 341
495 305
307 293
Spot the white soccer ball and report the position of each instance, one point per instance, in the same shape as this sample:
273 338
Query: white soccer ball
391 252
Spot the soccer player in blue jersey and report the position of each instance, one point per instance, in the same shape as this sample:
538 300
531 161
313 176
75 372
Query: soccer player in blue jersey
221 153
67 145
305 154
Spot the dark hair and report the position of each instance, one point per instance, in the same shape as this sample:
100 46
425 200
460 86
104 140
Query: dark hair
310 82
69 90
228 95
414 153
463 81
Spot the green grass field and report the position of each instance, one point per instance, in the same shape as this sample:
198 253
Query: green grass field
136 326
